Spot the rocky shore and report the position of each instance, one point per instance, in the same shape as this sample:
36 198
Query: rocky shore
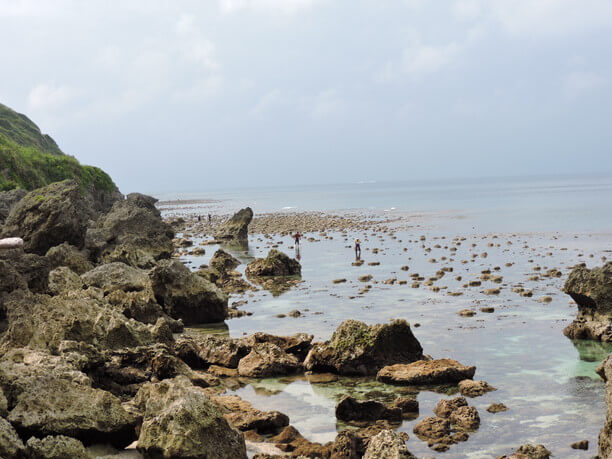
92 314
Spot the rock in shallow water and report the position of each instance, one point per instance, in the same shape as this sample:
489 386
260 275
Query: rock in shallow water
426 372
387 445
591 289
360 349
56 447
351 409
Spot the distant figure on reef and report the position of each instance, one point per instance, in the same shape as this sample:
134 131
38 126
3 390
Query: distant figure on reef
296 237
199 218
209 218
357 249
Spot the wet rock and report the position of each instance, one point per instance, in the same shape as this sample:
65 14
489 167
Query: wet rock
471 388
69 256
243 416
49 216
582 444
445 408
185 295
351 409
56 447
132 232
408 406
267 359
467 313
529 451
432 428
237 227
387 445
465 417
50 396
223 262
11 445
591 289
298 344
497 408
8 200
442 371
360 349
347 445
605 436
179 420
42 322
275 264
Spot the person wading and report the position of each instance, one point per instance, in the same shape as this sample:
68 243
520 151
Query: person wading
357 249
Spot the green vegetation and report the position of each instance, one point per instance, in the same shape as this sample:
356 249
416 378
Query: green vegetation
29 159
353 335
21 130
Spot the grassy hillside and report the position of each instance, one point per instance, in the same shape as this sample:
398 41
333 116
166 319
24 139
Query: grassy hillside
21 130
30 159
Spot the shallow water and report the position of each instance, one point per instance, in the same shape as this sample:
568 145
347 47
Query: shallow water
547 381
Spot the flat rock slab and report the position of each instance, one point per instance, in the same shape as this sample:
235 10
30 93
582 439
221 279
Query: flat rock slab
441 371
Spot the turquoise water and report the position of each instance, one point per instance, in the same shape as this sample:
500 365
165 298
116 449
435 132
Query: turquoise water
547 381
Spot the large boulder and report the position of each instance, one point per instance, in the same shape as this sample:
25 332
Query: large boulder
69 256
185 295
237 227
203 350
131 232
223 262
591 289
426 372
49 396
8 199
387 445
605 436
274 265
180 421
129 290
360 349
221 271
56 447
49 216
43 322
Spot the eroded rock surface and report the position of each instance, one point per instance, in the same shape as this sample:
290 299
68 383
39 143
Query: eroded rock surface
360 349
187 296
388 444
426 372
179 420
591 289
237 227
605 436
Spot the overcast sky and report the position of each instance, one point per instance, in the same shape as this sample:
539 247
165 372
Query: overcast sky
196 95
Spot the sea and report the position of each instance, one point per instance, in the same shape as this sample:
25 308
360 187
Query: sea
518 228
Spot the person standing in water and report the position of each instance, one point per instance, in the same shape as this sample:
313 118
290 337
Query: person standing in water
296 237
357 249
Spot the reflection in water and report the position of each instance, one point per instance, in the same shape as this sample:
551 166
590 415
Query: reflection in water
592 351
239 250
219 328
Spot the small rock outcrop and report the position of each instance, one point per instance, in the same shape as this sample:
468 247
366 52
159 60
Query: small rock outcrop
387 445
187 296
360 349
605 436
179 420
426 372
49 216
266 360
591 289
56 447
243 416
237 227
471 388
131 232
529 451
350 409
276 264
